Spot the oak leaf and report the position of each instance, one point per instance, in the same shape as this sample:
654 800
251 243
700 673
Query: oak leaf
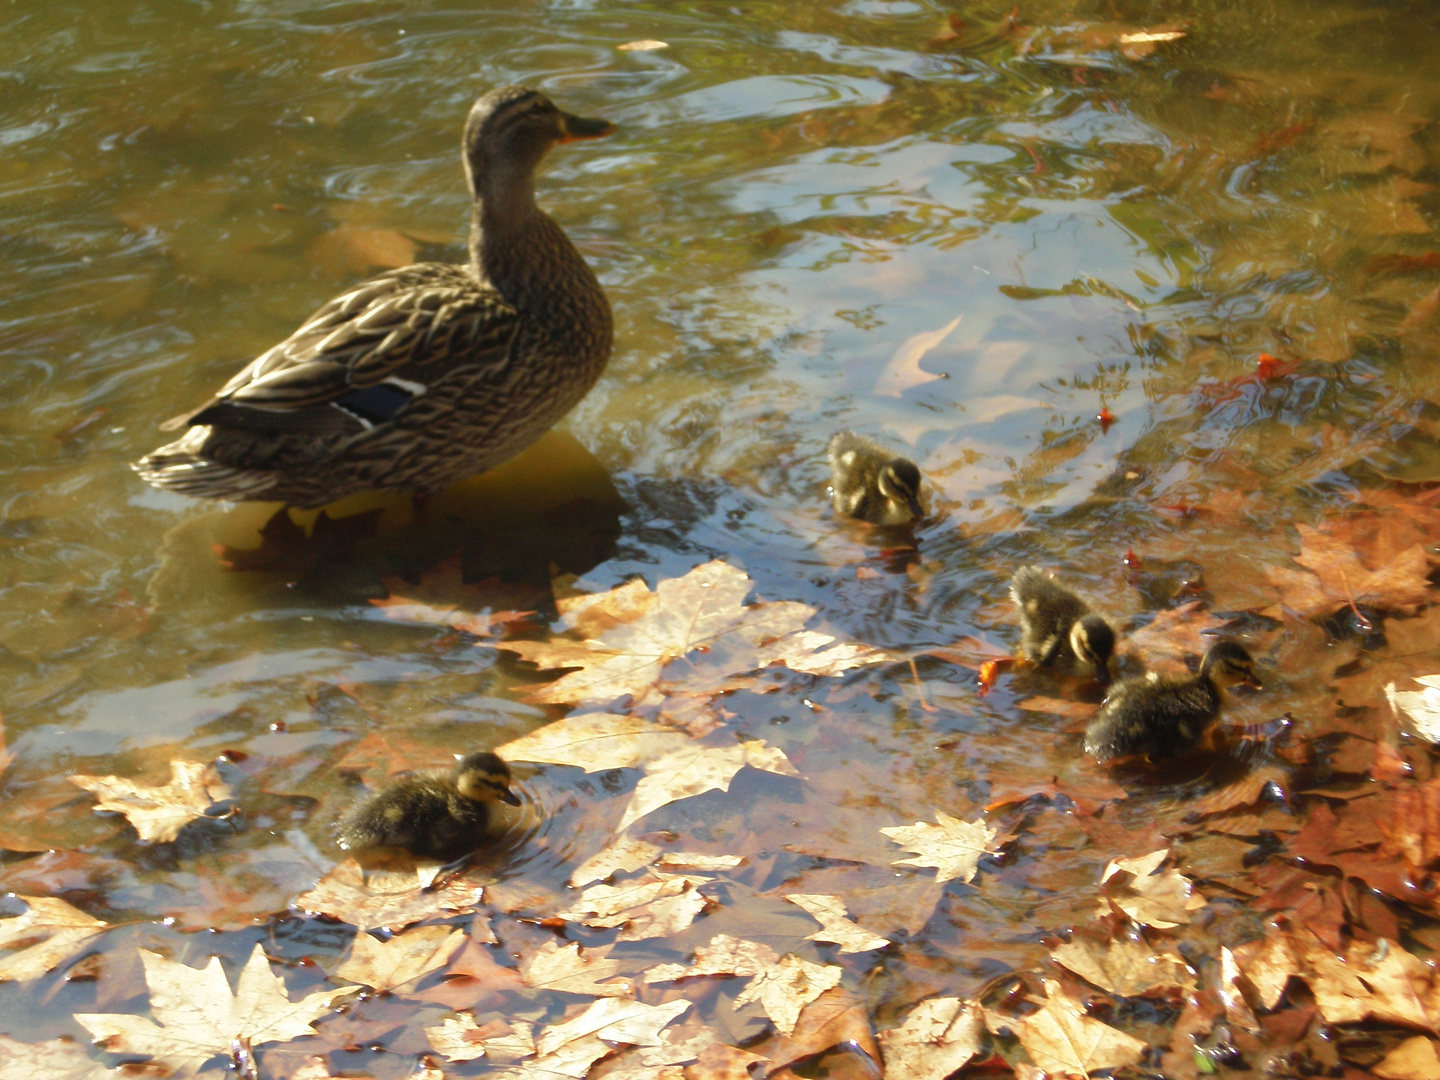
724 955
1125 967
903 371
952 846
387 899
625 638
197 1016
596 742
785 988
936 1039
62 931
442 598
159 813
835 924
695 769
573 970
1161 900
385 965
1061 1039
55 1059
659 905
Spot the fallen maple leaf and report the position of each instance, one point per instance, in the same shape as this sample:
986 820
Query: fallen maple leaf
65 931
387 899
461 1039
622 853
903 372
1061 1039
286 546
159 813
629 635
1124 966
1161 900
1413 1059
724 955
695 769
1175 634
385 965
837 1018
1335 576
573 970
442 598
952 846
199 1017
938 1037
56 1059
1232 998
659 905
596 742
1421 706
615 1020
785 988
835 924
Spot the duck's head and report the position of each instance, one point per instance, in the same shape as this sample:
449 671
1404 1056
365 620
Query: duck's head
900 483
511 129
484 777
1226 663
1093 641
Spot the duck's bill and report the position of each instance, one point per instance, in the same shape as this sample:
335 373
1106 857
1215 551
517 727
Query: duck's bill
508 796
584 127
917 509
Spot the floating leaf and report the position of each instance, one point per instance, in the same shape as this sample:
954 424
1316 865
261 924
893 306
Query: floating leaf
903 372
1061 1039
785 988
65 931
159 813
596 742
952 846
1413 1059
442 598
647 45
56 1059
622 853
661 905
725 955
836 927
1421 706
573 970
387 899
1161 900
938 1037
1124 967
385 965
696 769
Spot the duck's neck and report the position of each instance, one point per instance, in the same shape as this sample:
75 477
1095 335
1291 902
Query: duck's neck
513 243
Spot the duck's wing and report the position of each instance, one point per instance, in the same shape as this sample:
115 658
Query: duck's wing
361 359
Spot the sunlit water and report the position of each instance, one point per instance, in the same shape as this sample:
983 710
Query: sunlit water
794 192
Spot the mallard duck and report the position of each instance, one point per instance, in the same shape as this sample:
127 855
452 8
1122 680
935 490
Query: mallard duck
427 373
1163 716
434 814
869 483
1058 628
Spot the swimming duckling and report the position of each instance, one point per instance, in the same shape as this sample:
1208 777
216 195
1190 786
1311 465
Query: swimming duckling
1163 716
869 483
434 814
1059 629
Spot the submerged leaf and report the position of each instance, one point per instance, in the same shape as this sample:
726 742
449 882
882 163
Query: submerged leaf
1061 1039
938 1037
952 846
65 931
696 769
785 988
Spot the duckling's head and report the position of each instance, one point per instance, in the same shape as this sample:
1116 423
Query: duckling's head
484 777
511 129
1093 641
900 483
1226 663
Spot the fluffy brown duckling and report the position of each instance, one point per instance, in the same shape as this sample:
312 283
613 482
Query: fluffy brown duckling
869 483
439 815
1058 628
1162 716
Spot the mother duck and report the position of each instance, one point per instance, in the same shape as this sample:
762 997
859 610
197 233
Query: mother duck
427 373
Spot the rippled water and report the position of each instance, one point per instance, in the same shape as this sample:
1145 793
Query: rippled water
795 191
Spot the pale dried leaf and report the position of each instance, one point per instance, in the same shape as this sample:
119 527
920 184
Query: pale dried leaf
903 371
1237 1010
159 813
615 1020
1421 706
938 1037
952 846
1413 1059
197 1016
724 955
595 742
387 899
657 906
452 1039
784 989
835 924
1125 967
55 1059
385 965
689 860
1270 964
1154 899
695 769
1061 1039
622 853
63 931
648 45
573 970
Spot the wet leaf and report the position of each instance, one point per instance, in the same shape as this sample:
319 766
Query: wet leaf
286 546
838 1017
1413 1059
660 905
1060 1038
354 249
385 965
595 742
57 930
836 927
573 970
387 899
952 846
696 769
615 1020
1337 577
442 598
725 955
629 635
197 1016
159 813
785 988
642 46
903 372
937 1038
622 853
55 1059
1175 634
1127 967
1421 706
1162 899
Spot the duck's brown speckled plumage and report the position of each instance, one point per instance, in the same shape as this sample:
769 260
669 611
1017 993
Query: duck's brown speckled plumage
1058 628
870 483
424 374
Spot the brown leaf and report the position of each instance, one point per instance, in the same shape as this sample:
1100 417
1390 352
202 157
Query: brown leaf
632 634
1176 634
1074 710
1269 964
1413 1059
621 853
721 1062
1126 967
49 932
903 372
1413 832
442 598
838 1017
387 899
1338 577
1060 1038
829 912
159 813
1162 900
385 965
938 1037
1245 792
952 846
286 546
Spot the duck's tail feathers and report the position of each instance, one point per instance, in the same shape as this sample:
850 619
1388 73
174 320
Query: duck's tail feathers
178 467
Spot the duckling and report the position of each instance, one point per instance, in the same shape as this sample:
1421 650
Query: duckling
434 814
869 483
1059 629
1163 716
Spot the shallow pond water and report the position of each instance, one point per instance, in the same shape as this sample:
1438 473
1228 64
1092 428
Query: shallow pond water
795 191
